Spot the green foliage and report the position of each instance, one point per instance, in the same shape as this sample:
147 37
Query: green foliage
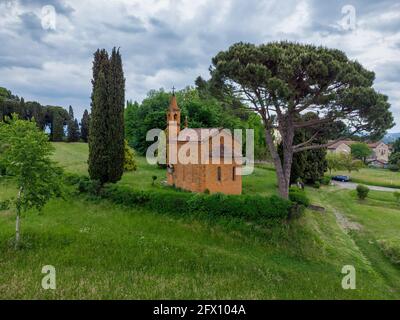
153 180
298 196
51 116
396 146
317 185
72 127
5 204
396 195
106 138
85 126
362 191
202 112
92 187
115 115
360 151
252 208
26 154
333 161
309 165
347 162
393 167
57 127
283 80
326 180
25 151
394 161
129 159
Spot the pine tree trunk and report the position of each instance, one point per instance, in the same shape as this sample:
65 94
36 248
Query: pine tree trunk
283 179
282 166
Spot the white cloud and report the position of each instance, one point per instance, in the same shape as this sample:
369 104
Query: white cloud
171 42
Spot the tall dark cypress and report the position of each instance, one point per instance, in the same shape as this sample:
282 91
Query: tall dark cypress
106 138
85 126
73 127
57 127
98 127
116 95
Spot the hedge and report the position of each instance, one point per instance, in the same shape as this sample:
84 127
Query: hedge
247 207
254 208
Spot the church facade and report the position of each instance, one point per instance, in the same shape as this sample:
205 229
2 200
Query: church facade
201 159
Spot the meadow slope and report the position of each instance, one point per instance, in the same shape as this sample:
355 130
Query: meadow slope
101 250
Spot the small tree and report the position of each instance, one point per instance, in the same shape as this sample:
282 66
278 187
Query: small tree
360 151
333 162
25 151
347 162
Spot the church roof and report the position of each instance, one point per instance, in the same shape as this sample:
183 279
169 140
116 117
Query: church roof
197 134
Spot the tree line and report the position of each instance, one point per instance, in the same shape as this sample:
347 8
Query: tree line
60 123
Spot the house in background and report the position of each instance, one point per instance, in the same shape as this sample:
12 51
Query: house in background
380 151
380 154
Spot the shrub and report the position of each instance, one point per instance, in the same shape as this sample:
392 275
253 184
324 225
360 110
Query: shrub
5 205
92 187
254 208
362 191
393 167
396 195
326 180
298 196
129 158
317 184
72 178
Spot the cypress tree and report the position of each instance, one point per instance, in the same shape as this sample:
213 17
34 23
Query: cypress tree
98 155
106 139
85 126
116 100
73 127
57 127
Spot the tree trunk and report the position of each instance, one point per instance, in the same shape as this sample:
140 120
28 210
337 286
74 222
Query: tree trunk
17 223
281 172
283 166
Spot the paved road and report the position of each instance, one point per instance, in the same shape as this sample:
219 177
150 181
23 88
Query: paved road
353 186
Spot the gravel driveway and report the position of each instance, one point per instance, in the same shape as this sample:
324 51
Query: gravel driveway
353 186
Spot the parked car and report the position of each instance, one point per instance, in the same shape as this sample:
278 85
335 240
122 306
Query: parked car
341 178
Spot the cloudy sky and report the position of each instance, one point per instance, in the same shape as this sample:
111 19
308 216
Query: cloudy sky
171 42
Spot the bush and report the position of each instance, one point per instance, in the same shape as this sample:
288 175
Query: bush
72 178
396 195
92 187
362 191
317 185
393 167
326 180
5 205
298 196
254 208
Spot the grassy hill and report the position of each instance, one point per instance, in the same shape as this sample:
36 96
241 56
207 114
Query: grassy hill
101 250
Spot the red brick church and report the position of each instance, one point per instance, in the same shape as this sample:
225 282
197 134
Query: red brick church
214 167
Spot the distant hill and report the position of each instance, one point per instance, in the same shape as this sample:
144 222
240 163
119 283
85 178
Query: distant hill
391 137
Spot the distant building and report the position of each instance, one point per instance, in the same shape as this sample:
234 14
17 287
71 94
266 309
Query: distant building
380 151
202 175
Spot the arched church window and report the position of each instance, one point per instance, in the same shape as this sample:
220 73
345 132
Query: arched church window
219 174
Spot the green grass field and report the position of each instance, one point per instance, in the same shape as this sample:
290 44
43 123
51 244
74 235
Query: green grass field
372 176
101 250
